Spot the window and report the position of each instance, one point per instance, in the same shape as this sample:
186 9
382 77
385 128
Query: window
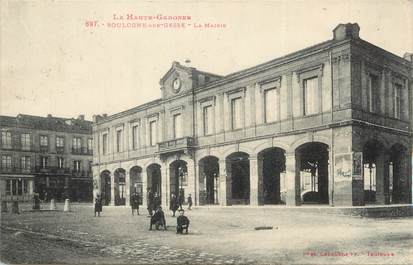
105 143
236 113
25 162
44 140
76 165
271 104
177 126
6 161
44 161
16 186
118 141
135 137
89 145
60 162
60 141
372 88
397 100
25 141
77 143
310 96
208 120
152 133
6 139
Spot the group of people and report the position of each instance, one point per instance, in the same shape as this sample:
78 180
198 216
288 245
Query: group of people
155 210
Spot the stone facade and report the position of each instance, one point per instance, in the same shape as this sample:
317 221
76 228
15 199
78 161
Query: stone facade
329 124
47 155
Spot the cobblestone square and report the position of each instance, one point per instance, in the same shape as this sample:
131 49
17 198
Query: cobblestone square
217 236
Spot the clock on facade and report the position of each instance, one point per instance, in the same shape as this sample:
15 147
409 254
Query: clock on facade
176 85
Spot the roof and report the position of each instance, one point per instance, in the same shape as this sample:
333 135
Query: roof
49 123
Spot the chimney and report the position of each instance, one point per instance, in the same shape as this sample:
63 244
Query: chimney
346 31
81 117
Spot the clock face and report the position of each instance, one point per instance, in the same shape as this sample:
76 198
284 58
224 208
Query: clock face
176 85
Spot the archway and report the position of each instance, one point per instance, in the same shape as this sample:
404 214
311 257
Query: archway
272 175
373 166
238 178
178 178
136 184
120 187
154 179
208 180
105 186
312 159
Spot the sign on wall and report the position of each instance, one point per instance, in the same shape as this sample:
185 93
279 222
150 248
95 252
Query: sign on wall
357 165
342 165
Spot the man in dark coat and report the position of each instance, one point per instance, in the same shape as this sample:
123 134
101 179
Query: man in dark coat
182 222
174 204
156 201
150 202
135 203
158 219
98 204
189 202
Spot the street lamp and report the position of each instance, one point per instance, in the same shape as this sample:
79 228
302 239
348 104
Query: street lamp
216 188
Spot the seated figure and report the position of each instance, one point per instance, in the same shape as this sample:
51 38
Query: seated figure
182 222
158 219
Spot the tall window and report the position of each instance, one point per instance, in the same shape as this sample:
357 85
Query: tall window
372 88
135 137
60 162
76 165
208 120
152 133
89 145
105 143
60 141
6 139
16 186
271 103
44 161
177 126
236 113
6 161
310 95
77 143
397 100
25 141
118 141
44 140
25 162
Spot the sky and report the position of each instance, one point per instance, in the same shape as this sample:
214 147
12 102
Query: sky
52 63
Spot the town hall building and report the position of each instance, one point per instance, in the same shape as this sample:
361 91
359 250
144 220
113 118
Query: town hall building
330 124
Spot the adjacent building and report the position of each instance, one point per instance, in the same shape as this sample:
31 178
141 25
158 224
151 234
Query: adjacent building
46 155
329 124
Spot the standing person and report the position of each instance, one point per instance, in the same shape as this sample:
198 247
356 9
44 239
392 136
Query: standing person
150 199
156 201
135 203
189 202
181 200
98 204
174 204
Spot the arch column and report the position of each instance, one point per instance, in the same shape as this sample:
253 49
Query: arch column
164 185
144 187
127 188
292 165
112 189
382 179
256 180
222 190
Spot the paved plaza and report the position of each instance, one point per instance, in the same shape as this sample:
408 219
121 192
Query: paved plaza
217 236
